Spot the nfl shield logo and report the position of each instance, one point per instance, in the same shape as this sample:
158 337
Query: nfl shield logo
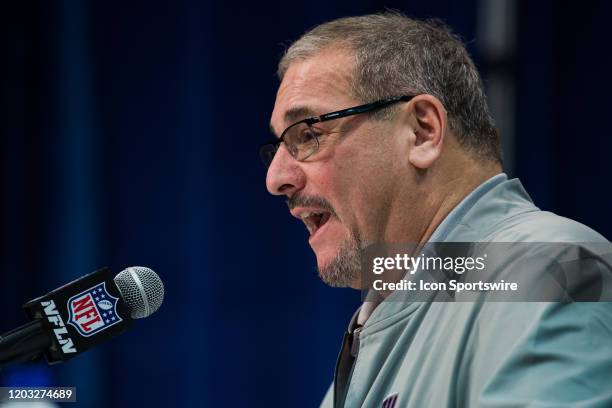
93 310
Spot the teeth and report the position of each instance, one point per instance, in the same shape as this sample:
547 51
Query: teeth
307 214
311 224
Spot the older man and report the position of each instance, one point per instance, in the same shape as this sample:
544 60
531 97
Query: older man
384 136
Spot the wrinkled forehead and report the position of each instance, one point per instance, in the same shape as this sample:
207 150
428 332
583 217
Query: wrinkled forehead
313 86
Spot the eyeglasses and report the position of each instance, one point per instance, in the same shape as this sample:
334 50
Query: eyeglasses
302 140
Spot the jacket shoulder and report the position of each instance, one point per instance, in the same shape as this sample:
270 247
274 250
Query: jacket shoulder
541 226
507 214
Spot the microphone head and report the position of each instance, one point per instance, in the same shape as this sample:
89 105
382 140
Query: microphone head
141 289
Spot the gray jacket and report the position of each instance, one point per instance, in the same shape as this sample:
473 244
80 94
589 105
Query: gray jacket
488 354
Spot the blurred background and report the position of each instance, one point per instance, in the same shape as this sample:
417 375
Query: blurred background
129 135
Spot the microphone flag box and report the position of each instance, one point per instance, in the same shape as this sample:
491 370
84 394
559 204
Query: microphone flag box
80 314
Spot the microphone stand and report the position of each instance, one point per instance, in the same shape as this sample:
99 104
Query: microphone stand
25 343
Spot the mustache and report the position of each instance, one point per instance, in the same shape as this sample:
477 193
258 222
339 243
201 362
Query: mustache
310 201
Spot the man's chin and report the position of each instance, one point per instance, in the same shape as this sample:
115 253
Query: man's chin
342 269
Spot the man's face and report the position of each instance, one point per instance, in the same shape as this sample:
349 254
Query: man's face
345 191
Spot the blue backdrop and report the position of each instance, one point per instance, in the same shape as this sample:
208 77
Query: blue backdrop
130 134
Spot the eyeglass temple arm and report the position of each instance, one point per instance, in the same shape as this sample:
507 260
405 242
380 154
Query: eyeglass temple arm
359 109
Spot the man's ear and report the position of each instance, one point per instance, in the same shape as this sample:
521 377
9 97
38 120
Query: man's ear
428 120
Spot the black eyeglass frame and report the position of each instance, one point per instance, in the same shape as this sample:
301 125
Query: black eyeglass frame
355 110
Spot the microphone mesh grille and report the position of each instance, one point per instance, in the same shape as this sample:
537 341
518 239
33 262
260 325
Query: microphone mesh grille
141 289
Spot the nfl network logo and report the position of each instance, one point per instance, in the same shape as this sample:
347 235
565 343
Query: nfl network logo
93 310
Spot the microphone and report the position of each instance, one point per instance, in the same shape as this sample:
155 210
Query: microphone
81 314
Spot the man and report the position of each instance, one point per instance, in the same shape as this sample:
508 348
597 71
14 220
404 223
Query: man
384 136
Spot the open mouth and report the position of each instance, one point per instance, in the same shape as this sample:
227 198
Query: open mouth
314 220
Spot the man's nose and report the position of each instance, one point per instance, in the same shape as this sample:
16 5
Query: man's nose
285 175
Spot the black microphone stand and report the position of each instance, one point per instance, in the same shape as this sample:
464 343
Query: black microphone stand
25 343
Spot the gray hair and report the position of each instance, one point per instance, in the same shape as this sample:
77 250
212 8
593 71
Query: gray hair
396 55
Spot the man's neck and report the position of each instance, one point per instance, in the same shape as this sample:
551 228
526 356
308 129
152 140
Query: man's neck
441 196
457 190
